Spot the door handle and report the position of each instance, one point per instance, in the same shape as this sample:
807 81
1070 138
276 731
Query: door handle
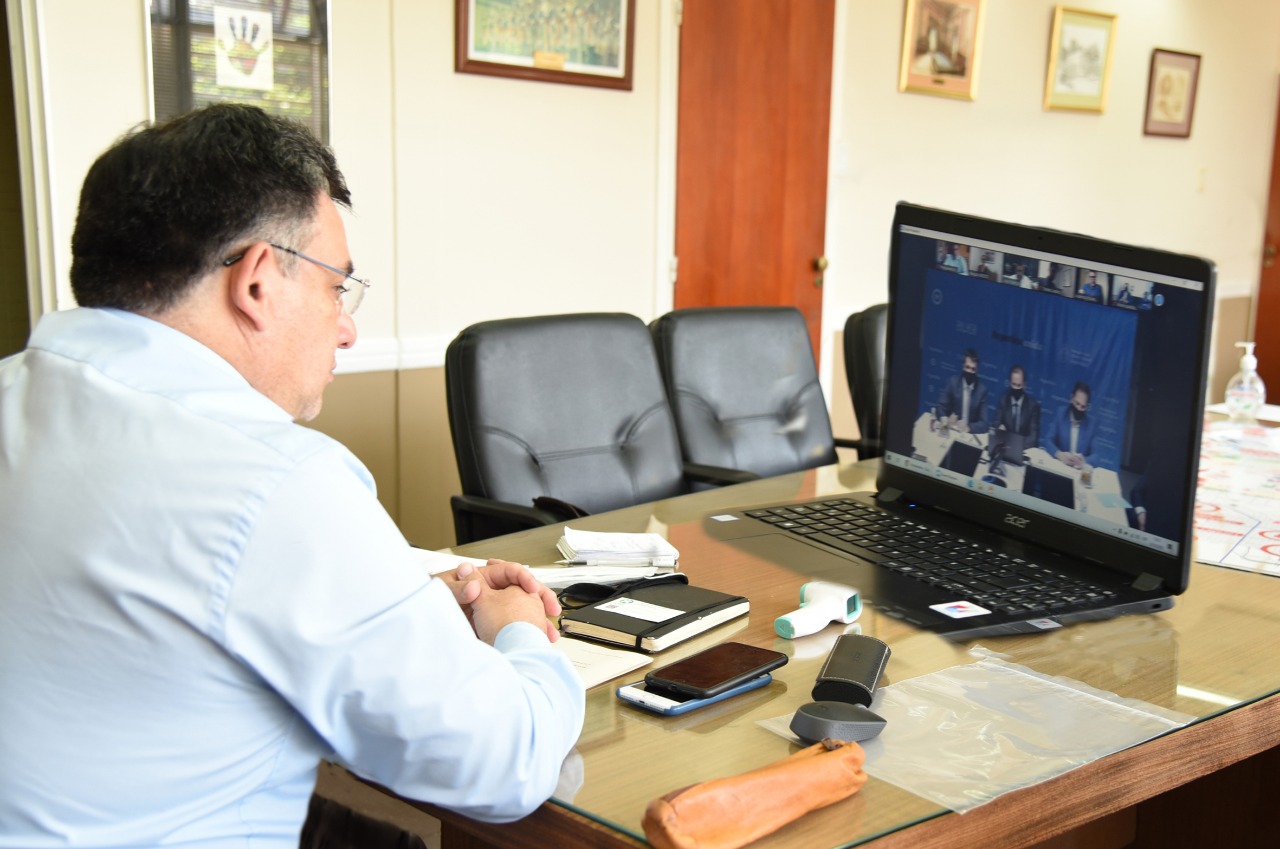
819 265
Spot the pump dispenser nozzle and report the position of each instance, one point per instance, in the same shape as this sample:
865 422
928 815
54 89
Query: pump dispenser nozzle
1248 362
1245 392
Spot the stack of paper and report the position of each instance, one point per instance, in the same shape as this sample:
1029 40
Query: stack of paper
593 548
559 577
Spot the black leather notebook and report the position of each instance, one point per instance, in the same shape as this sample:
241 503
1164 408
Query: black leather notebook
654 617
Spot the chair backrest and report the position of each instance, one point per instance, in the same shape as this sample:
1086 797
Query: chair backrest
864 356
566 406
744 388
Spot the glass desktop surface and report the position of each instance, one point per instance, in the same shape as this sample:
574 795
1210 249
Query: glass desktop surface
1209 654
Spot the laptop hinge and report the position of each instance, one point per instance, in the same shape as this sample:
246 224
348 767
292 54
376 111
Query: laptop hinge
1146 582
889 495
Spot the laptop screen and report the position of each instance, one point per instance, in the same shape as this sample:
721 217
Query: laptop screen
1048 384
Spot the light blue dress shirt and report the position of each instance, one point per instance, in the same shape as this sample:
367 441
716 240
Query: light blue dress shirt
200 599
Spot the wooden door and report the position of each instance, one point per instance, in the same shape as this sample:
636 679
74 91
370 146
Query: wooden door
751 157
1266 325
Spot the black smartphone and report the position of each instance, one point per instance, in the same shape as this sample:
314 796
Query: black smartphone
714 670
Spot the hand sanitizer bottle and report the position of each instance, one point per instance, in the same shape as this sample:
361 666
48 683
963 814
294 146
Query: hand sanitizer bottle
1245 392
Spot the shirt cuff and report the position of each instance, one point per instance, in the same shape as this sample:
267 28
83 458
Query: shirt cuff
520 635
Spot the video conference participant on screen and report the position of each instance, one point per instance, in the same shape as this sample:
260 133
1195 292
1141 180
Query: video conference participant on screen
1071 437
1091 288
963 404
955 260
1018 412
1022 279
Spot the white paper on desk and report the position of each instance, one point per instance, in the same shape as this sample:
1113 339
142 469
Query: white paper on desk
1237 516
553 577
609 548
1268 413
559 577
596 663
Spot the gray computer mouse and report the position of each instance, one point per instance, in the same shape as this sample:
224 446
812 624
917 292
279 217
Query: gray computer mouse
837 720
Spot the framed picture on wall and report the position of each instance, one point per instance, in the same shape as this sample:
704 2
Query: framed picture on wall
1171 93
940 42
1080 50
270 53
558 41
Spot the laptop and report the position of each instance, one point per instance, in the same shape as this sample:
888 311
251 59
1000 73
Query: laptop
1054 487
1008 447
955 547
961 457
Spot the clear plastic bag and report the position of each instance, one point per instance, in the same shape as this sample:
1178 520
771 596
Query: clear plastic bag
965 735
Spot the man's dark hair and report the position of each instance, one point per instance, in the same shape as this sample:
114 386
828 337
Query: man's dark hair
1081 386
971 354
166 203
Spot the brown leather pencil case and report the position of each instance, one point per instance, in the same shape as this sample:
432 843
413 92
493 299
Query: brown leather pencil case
726 813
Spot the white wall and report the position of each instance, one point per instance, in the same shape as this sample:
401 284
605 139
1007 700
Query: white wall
93 62
479 197
474 197
517 197
1003 156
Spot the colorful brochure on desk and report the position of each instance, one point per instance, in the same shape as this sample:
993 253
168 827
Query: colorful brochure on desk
654 615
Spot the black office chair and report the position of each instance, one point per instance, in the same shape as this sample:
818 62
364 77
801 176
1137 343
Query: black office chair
554 417
864 358
744 388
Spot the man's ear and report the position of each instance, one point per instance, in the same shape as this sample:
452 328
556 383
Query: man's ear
252 286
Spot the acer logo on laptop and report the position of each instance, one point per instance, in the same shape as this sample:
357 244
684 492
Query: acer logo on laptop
1016 521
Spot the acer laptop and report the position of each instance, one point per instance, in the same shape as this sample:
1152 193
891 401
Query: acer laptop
1054 487
961 457
956 547
1007 447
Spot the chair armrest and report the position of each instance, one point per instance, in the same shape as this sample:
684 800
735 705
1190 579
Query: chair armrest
865 447
476 517
718 475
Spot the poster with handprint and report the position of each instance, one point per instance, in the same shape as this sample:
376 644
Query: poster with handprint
271 53
242 42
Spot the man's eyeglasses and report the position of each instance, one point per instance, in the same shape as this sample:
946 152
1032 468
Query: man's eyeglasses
350 297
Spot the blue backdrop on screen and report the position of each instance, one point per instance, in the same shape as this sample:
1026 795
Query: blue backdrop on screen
1057 340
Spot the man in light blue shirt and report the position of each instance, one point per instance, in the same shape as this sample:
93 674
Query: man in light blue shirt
203 599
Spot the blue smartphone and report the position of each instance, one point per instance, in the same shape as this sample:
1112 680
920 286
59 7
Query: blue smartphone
670 703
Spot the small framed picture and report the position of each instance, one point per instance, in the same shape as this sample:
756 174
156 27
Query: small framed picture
940 41
557 41
1079 60
1171 93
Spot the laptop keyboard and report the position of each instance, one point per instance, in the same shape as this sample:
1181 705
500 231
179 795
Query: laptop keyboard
973 571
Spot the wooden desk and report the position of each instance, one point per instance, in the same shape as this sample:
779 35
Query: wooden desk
1213 656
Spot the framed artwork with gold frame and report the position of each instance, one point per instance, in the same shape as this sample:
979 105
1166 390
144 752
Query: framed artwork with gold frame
1080 49
940 42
